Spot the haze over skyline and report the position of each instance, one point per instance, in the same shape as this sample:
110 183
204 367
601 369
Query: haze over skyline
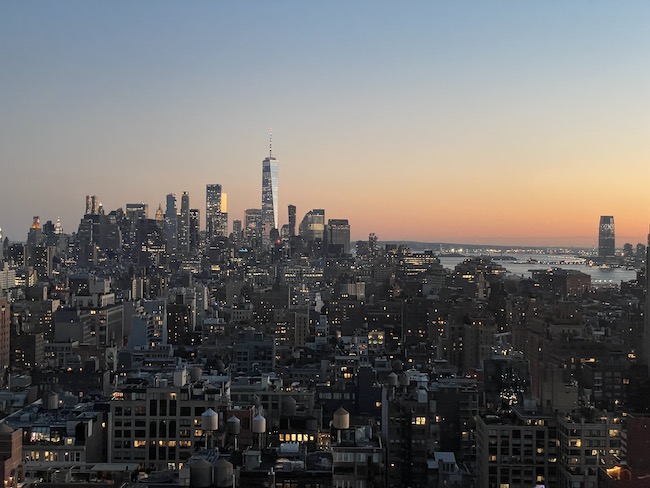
496 123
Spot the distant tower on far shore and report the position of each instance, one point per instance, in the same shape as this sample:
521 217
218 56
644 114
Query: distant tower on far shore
606 237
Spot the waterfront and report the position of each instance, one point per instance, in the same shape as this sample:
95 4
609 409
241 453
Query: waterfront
521 264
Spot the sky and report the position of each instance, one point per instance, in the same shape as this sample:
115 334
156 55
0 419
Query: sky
500 122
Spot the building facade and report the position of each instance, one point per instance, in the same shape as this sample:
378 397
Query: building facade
270 168
606 237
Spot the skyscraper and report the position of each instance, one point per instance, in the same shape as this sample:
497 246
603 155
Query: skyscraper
171 224
194 230
237 230
184 225
5 329
134 211
270 167
252 223
338 236
292 220
92 205
606 243
223 218
215 212
312 226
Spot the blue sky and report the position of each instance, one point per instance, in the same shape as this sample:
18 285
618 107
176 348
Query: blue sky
503 122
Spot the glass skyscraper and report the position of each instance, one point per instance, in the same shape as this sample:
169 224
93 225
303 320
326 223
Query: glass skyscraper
606 239
171 224
270 167
216 218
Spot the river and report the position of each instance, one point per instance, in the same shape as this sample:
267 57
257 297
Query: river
521 267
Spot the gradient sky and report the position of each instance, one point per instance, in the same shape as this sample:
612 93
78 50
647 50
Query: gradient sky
476 122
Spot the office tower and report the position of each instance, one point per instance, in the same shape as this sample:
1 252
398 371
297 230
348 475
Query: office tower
237 230
270 167
41 259
372 242
284 232
194 230
181 316
215 205
137 211
35 236
5 328
184 225
92 205
48 228
338 236
312 226
223 220
150 243
292 220
212 208
110 235
253 223
171 224
606 244
87 239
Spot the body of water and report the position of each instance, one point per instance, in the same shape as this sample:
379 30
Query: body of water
521 267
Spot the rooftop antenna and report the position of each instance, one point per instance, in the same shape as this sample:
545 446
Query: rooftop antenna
270 143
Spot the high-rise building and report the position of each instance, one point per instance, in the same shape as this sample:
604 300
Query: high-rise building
136 211
373 242
171 224
253 223
184 225
5 328
92 205
215 207
338 236
194 229
35 235
223 220
270 168
237 230
149 243
292 220
606 242
312 226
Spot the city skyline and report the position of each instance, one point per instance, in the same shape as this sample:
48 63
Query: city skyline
501 124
